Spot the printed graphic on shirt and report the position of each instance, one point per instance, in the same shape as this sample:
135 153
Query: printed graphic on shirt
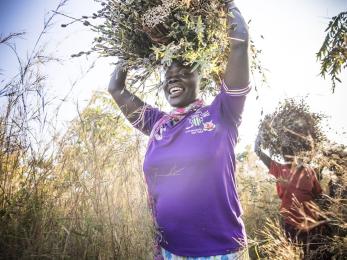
198 124
159 135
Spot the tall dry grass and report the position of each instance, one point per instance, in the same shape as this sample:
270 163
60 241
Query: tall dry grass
86 200
257 192
80 195
107 215
260 203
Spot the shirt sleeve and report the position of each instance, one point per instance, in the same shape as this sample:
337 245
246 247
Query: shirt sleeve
230 102
275 169
147 118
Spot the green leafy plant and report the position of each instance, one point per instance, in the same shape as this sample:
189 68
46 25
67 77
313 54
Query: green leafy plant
333 53
150 34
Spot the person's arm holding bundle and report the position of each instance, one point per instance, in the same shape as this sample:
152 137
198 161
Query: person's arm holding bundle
236 76
262 156
140 115
235 84
129 104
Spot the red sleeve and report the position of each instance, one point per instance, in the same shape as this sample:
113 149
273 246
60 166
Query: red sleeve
275 168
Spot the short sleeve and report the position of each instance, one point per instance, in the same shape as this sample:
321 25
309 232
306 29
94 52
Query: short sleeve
230 102
147 118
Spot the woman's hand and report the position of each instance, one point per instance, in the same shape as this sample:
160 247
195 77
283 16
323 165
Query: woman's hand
129 104
117 81
257 144
236 75
238 28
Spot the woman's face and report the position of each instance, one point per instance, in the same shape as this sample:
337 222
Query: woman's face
181 86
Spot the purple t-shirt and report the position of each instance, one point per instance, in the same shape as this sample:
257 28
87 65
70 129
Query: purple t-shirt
190 173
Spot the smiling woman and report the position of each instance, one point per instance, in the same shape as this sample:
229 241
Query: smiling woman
181 85
189 165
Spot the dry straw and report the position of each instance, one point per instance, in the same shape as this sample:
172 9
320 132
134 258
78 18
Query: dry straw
292 126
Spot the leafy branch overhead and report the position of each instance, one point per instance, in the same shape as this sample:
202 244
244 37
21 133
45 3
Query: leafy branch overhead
333 53
148 34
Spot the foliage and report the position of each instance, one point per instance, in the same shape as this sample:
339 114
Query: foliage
148 34
106 208
87 199
333 53
27 209
257 193
276 245
333 213
258 196
292 127
331 160
333 157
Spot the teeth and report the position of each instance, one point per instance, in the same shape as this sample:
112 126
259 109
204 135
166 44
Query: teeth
175 90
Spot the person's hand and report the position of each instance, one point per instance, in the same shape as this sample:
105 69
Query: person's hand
117 82
257 144
238 26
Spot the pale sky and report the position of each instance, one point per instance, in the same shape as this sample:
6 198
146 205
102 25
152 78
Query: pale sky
293 32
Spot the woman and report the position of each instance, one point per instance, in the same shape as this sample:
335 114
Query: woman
190 162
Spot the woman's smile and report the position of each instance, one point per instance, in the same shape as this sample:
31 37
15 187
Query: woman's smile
175 90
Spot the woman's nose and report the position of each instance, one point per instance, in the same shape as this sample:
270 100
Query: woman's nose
172 81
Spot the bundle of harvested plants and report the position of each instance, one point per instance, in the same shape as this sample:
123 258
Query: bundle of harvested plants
149 34
291 127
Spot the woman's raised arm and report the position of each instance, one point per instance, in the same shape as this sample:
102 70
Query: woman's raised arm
129 104
236 75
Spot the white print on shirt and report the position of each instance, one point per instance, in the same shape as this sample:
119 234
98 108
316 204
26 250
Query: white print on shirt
197 124
159 135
